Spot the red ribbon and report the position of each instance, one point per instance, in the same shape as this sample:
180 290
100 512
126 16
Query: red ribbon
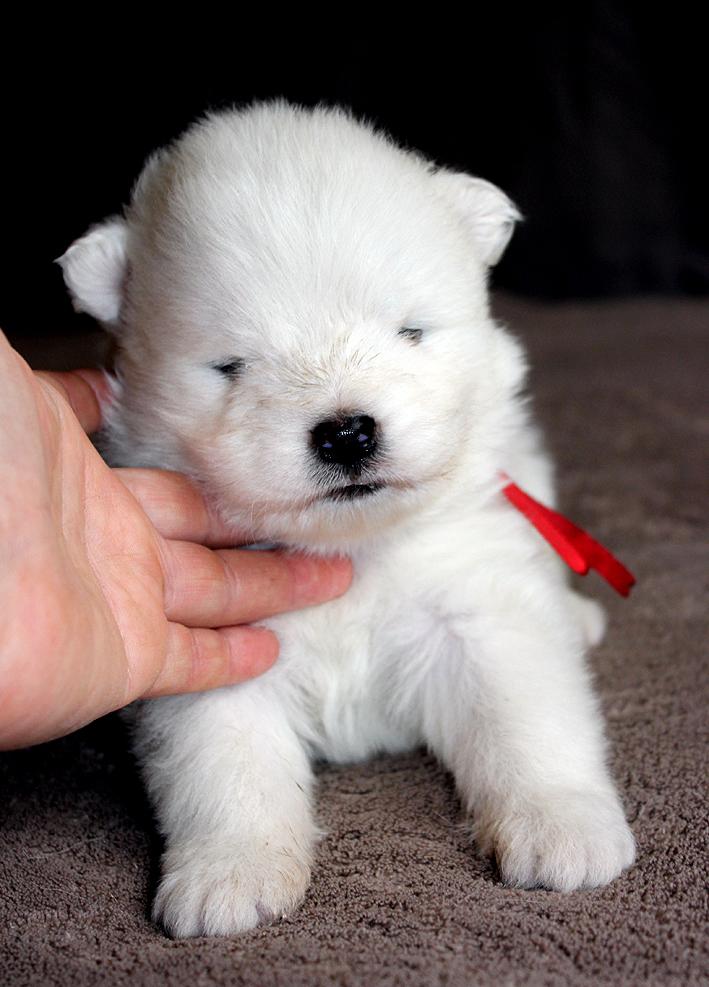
576 547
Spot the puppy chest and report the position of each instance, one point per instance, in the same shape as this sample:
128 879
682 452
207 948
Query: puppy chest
357 671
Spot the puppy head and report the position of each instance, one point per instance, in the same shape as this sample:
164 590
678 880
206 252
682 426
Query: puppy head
302 321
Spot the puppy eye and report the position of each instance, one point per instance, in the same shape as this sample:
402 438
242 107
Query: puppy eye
412 333
230 368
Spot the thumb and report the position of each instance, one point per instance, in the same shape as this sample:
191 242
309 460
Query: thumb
85 391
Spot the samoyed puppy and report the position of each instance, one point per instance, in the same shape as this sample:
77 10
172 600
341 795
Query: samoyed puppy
302 325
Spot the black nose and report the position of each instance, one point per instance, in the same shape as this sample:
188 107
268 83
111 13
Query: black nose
346 441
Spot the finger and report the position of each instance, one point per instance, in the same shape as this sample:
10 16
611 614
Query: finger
198 658
214 589
84 390
177 509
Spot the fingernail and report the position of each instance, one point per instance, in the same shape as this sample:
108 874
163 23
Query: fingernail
101 383
254 651
319 579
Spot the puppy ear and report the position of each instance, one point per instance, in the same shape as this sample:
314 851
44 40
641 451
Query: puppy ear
484 209
95 269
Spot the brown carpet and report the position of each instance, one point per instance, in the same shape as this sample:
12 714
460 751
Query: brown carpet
399 896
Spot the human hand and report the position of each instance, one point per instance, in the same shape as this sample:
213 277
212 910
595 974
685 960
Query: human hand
107 591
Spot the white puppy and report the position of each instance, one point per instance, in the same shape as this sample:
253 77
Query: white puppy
302 323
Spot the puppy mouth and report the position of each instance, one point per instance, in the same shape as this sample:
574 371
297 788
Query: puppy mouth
353 491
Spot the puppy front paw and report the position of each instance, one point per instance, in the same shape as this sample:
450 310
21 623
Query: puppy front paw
560 839
221 889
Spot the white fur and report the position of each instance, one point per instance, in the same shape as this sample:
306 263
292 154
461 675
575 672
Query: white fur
94 269
301 241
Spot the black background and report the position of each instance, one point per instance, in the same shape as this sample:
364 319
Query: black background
591 118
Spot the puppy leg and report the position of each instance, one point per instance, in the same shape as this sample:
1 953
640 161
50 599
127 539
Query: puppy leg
231 785
511 713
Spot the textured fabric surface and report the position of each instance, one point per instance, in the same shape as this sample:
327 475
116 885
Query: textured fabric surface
399 895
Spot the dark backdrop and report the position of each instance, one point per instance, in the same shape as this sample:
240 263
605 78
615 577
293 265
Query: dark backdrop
591 119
